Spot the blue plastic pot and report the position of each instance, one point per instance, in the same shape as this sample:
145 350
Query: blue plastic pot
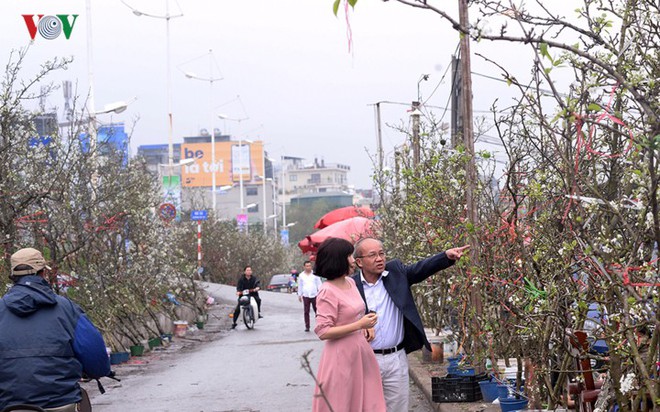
488 390
512 404
118 357
502 391
454 360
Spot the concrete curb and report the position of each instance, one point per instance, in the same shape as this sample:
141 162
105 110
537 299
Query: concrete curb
421 376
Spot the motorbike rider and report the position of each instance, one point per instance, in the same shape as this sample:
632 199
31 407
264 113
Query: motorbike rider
247 281
47 341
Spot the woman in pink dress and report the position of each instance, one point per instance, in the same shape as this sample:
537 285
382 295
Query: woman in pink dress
348 376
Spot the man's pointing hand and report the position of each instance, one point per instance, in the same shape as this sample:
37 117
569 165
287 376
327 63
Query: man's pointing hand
457 252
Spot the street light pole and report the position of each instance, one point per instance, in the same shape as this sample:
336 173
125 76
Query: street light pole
283 196
167 17
263 187
240 169
210 79
212 128
91 126
117 107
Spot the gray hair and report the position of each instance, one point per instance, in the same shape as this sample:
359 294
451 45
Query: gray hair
358 245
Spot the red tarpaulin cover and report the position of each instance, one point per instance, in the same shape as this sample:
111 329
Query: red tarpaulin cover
343 213
352 229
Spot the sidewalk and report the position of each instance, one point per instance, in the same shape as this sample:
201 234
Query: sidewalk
421 373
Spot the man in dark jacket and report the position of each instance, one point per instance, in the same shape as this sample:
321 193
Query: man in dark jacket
385 287
251 283
46 341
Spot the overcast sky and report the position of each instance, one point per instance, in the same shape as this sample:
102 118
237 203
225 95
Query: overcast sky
305 93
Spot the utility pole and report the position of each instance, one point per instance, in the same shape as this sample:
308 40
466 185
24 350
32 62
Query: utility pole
379 148
379 141
415 132
468 132
456 102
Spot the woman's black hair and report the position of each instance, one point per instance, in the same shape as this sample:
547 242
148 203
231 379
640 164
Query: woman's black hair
332 258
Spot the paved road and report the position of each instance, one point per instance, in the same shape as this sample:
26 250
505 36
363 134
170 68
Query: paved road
244 370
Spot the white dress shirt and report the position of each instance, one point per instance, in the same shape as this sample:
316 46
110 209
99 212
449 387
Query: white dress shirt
389 328
308 285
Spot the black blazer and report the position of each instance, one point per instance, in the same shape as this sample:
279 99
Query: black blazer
398 282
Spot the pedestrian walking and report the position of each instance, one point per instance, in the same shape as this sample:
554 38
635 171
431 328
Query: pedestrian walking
385 287
348 376
47 341
308 287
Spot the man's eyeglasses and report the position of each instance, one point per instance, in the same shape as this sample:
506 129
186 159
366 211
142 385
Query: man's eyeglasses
373 255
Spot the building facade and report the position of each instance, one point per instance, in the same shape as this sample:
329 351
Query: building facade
244 187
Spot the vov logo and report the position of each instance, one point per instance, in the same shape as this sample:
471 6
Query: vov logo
49 27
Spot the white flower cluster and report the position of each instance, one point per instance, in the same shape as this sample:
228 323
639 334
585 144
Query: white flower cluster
627 383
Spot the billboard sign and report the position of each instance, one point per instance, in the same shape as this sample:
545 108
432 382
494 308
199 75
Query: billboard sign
284 236
240 161
227 165
242 221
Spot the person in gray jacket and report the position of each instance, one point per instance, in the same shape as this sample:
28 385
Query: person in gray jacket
385 287
46 341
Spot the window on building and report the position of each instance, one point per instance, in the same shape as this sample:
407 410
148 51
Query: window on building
253 209
315 178
293 178
251 191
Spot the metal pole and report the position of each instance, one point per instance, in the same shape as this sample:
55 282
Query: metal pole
91 125
170 144
379 140
240 170
283 196
199 247
263 189
415 136
274 208
213 166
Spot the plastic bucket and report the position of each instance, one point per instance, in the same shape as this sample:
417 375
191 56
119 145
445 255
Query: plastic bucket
180 328
512 404
488 390
155 342
118 357
137 350
437 352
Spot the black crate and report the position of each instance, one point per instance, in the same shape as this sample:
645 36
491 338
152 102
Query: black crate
453 388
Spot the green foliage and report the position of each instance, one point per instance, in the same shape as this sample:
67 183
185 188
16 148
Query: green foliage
226 251
306 217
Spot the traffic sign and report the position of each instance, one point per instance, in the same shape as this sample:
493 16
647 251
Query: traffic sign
198 215
167 212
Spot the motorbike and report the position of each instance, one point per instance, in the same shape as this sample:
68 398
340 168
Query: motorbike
83 406
249 308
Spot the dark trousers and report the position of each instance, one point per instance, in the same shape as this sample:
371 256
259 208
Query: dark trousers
237 311
306 302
